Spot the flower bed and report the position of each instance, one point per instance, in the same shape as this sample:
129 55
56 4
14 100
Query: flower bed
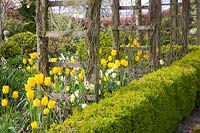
155 103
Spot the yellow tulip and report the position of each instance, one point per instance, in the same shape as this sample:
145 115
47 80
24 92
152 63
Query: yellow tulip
73 60
33 55
51 104
4 102
30 61
5 89
46 111
39 78
110 65
139 53
36 102
117 64
136 43
105 78
72 73
47 81
44 101
24 61
67 88
28 68
54 59
110 58
67 71
137 58
30 94
80 76
31 81
15 94
27 87
100 51
34 125
114 52
103 62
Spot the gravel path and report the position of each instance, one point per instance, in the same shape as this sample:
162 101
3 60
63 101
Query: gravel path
190 124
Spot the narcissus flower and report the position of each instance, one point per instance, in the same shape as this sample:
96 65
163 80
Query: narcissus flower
47 81
28 68
117 64
27 87
34 125
5 89
114 52
4 102
36 102
46 111
110 65
33 55
24 61
30 94
39 78
124 62
51 104
15 94
44 101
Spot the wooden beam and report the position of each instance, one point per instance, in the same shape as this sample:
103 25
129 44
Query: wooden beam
124 28
132 7
134 49
67 64
60 34
68 3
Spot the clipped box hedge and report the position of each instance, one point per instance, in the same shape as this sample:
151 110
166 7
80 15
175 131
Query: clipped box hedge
154 104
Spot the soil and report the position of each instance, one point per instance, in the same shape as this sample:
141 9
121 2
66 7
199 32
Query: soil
190 124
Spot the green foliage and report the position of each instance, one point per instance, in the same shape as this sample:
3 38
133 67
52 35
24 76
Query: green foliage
155 103
27 11
21 43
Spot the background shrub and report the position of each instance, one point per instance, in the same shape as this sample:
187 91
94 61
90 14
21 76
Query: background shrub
21 43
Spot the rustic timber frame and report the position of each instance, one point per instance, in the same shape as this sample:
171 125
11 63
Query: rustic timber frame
179 31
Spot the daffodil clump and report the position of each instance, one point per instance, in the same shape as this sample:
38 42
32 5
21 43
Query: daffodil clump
112 74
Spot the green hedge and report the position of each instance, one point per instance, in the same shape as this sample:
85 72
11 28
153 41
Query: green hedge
155 103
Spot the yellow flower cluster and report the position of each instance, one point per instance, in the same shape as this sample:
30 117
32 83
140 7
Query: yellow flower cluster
31 65
135 43
5 90
113 64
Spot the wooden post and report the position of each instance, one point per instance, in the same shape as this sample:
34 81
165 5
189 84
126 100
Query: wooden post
174 13
116 21
93 34
42 41
155 20
185 23
138 20
1 32
198 22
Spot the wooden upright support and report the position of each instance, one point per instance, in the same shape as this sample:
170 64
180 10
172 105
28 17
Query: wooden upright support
174 21
198 22
155 20
138 20
1 30
116 21
185 23
42 41
93 34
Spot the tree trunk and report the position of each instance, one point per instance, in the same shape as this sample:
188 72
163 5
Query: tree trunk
93 17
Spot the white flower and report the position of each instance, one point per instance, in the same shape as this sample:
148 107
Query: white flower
72 98
118 83
76 93
62 78
83 105
28 6
161 62
114 75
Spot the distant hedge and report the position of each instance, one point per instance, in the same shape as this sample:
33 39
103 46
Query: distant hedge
153 104
21 43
